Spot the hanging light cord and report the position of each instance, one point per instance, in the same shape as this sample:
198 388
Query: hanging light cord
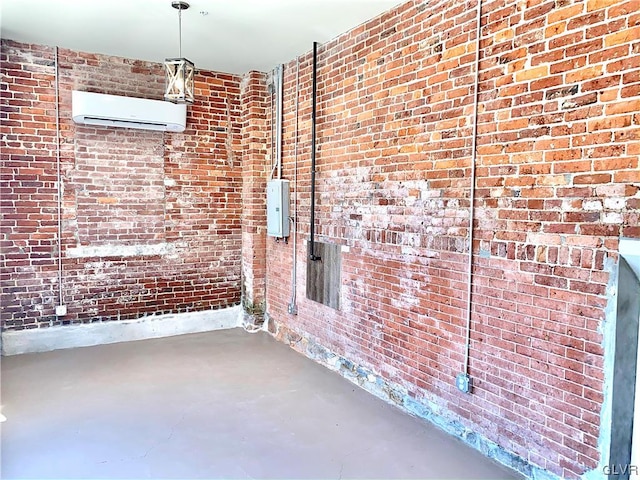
180 31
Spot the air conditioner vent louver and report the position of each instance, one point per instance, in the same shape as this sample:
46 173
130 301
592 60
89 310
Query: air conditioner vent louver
127 112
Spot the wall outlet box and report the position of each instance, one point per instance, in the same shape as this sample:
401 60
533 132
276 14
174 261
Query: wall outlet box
61 310
463 382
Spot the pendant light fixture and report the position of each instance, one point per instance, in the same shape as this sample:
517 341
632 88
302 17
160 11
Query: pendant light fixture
179 71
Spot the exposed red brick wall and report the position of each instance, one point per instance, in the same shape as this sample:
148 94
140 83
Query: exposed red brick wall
255 140
558 183
122 189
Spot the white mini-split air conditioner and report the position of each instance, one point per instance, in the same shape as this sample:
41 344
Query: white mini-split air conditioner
127 112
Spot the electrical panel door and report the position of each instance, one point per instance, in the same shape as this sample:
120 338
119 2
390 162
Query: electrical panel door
278 208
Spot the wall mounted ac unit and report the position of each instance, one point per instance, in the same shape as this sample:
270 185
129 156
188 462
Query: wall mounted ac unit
127 112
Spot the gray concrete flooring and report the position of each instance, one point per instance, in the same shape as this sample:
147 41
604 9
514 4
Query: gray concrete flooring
225 404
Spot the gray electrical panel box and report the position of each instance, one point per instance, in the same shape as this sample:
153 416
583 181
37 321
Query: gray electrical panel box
278 208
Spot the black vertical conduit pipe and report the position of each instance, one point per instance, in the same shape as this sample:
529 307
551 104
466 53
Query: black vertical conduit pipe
314 85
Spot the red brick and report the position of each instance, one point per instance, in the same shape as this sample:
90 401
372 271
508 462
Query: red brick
557 138
124 170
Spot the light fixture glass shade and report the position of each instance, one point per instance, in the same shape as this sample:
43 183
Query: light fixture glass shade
179 80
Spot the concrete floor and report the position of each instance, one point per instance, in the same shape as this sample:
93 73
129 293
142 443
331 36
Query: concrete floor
225 404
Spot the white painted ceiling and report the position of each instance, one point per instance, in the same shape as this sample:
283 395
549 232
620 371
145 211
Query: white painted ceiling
232 36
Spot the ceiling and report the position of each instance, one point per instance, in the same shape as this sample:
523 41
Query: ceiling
232 36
